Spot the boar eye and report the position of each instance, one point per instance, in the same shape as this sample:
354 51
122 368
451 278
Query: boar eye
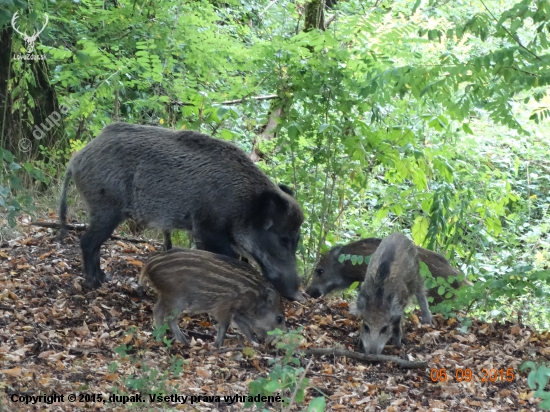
279 319
319 272
384 330
285 241
366 328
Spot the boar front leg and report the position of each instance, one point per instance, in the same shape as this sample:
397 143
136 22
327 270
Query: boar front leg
424 308
167 239
213 241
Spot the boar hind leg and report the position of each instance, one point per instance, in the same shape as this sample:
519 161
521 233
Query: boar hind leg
424 308
176 331
101 227
167 239
224 319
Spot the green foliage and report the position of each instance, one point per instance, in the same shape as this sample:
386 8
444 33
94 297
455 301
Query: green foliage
538 379
286 376
147 378
13 198
355 259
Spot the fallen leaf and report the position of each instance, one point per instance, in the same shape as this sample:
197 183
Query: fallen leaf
12 372
83 330
203 373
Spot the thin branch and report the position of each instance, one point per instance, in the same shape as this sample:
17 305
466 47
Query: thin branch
223 350
510 34
402 363
82 227
324 375
268 6
237 101
230 102
298 384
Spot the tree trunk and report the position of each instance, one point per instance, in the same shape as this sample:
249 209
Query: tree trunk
17 124
314 19
315 15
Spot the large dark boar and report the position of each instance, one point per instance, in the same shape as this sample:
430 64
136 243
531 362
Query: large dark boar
195 281
392 278
331 275
185 180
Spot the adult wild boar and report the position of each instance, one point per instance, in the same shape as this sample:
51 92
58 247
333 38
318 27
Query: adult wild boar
330 274
196 281
392 278
185 180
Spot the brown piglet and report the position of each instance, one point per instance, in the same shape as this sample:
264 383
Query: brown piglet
196 281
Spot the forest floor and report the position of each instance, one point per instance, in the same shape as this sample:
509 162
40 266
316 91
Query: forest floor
58 337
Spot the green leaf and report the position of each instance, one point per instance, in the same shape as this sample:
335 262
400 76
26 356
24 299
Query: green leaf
415 6
83 57
467 129
226 134
425 271
272 386
222 111
354 286
419 229
323 127
353 259
381 214
14 166
6 154
341 258
317 405
441 290
249 352
397 209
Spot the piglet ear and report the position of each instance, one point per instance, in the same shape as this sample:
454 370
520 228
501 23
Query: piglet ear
270 296
335 252
360 304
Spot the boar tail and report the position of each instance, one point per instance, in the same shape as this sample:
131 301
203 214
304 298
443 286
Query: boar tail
63 205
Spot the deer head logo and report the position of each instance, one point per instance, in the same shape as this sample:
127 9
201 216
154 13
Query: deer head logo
30 40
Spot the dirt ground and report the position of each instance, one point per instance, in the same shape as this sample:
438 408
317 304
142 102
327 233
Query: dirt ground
58 337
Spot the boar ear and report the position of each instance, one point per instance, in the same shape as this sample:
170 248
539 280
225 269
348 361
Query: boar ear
266 207
287 190
267 224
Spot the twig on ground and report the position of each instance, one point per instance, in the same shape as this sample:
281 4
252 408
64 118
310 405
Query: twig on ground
402 363
224 350
82 227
